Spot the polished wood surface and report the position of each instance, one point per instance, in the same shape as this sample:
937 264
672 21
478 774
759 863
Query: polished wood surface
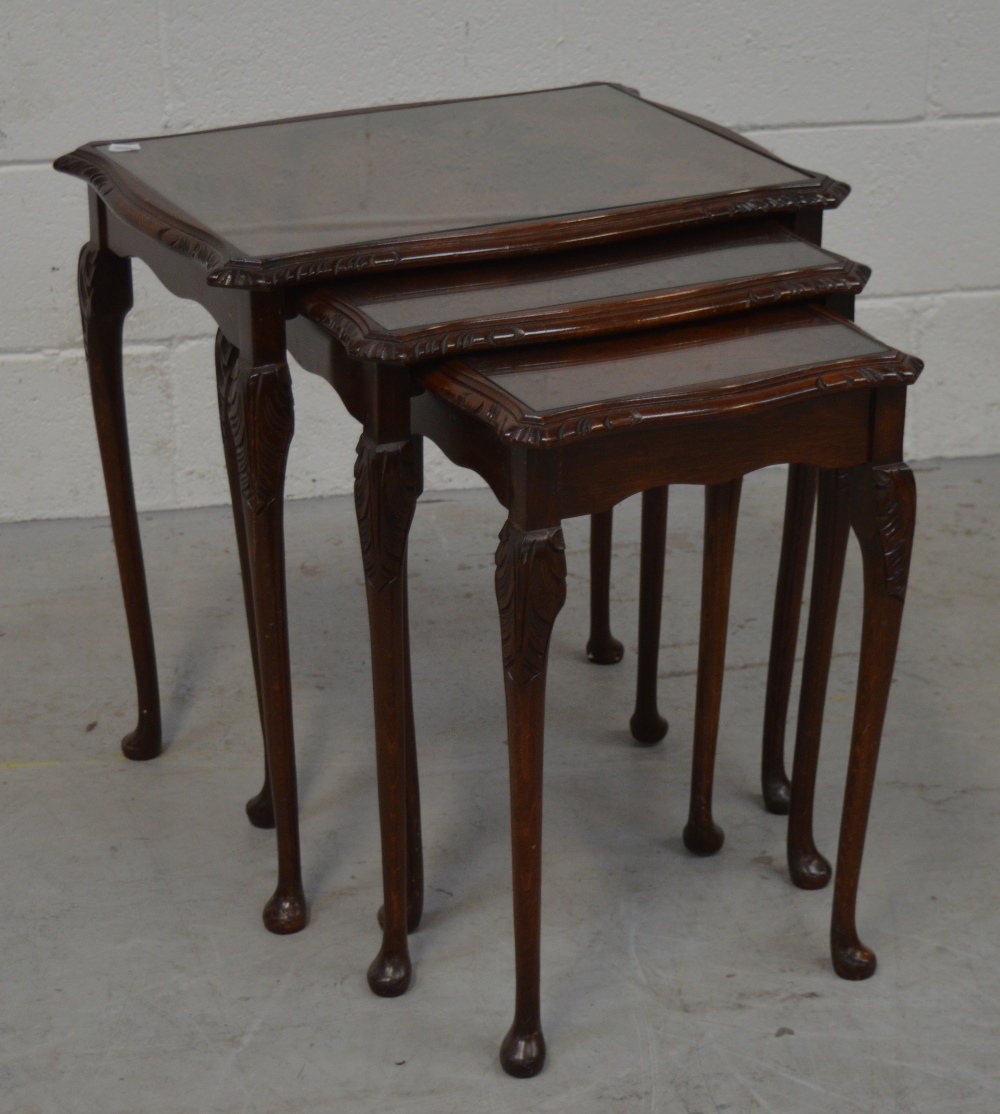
302 199
416 315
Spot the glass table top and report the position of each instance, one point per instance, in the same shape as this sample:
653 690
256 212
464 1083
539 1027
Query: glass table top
387 175
677 361
410 300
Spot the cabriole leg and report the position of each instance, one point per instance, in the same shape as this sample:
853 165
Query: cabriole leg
799 501
808 868
260 809
414 836
531 589
105 288
257 399
602 648
647 725
883 513
385 493
722 503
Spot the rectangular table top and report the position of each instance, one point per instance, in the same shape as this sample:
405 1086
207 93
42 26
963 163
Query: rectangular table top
549 393
292 200
416 315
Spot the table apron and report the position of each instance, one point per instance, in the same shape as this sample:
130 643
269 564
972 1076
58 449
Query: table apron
182 275
594 473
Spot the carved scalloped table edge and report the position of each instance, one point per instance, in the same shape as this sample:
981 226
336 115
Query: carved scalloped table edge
364 339
227 269
511 421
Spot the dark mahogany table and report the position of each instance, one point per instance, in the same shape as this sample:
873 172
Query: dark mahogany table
239 219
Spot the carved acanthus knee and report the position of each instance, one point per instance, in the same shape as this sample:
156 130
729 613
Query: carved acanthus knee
386 486
259 409
226 355
531 589
883 515
895 506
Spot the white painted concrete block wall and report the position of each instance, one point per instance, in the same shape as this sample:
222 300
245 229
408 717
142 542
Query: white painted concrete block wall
901 99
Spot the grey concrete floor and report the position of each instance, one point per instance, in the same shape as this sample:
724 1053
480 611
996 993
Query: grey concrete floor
136 973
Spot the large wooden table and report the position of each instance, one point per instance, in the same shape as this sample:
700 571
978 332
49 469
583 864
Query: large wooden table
243 219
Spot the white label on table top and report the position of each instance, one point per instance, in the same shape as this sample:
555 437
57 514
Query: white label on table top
117 148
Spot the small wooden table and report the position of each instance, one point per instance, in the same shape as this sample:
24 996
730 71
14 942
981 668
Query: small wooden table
572 429
236 218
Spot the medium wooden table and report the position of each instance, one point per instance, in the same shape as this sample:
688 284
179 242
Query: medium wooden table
236 218
378 328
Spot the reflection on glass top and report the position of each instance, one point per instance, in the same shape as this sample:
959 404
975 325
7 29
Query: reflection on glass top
682 360
291 186
670 264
